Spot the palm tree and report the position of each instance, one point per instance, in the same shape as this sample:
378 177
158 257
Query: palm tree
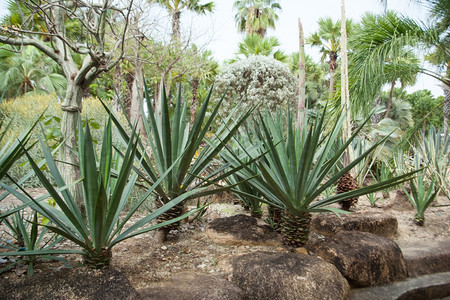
328 39
176 7
390 35
440 14
255 16
254 44
28 71
400 67
202 75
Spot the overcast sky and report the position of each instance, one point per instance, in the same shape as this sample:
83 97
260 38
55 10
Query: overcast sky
218 30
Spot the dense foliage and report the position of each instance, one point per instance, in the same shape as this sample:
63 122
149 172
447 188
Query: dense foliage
257 80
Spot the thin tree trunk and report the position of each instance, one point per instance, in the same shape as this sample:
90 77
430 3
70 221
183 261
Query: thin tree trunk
137 91
376 118
71 107
301 76
194 102
333 66
129 80
391 95
118 98
446 109
345 94
70 170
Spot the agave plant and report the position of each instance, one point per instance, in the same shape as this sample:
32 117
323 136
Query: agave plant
298 168
12 149
435 151
101 227
27 236
10 152
242 188
177 149
421 196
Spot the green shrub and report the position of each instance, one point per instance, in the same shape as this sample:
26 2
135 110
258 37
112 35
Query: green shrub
23 111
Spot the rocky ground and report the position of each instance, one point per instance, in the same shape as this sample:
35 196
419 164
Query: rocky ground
144 262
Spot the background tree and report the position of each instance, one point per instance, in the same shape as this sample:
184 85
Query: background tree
328 40
426 107
257 80
316 85
255 16
28 70
202 77
256 45
176 7
404 68
103 26
387 36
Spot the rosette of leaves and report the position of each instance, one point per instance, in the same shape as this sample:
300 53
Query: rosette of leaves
242 188
422 195
183 151
102 225
27 236
298 168
434 149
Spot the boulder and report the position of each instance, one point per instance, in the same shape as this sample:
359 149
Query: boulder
275 275
401 202
189 285
77 283
427 258
381 224
242 230
365 259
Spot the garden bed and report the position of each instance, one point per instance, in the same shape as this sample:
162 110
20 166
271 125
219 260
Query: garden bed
144 262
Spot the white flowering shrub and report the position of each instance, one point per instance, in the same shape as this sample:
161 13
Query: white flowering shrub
257 80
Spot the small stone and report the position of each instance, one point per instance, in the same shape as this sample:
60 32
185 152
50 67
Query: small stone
201 266
164 248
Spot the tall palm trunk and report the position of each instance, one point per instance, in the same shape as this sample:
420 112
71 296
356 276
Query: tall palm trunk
176 32
391 95
333 66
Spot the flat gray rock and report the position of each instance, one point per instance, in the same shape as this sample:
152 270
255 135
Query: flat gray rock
190 286
429 258
377 223
274 275
435 286
363 258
